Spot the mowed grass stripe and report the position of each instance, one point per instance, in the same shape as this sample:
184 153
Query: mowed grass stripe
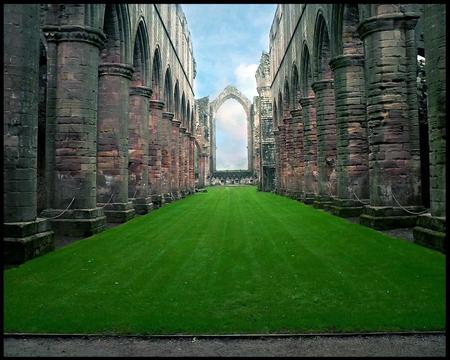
232 260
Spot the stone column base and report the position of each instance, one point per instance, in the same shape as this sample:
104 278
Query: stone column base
388 217
347 207
309 198
78 222
323 202
176 195
295 194
118 212
142 206
23 241
167 198
430 232
156 201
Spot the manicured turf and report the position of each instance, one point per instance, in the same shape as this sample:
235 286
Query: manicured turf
232 260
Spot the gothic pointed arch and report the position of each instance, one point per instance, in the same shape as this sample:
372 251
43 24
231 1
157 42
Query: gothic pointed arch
168 91
141 74
295 97
116 26
322 49
156 74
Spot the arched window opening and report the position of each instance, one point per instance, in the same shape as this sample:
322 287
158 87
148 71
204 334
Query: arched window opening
231 136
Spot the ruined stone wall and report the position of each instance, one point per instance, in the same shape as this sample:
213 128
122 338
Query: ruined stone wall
348 74
105 93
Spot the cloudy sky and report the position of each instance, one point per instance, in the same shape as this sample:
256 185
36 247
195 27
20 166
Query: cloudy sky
228 40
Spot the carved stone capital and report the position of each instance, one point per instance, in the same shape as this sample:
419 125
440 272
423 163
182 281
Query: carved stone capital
114 69
167 115
183 129
156 104
287 120
296 113
141 91
74 33
307 101
322 85
346 60
176 122
387 22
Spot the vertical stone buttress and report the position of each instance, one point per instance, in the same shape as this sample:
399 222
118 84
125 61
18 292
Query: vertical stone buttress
154 157
326 142
164 134
25 235
297 153
175 155
112 156
309 149
393 126
351 127
431 228
75 131
138 147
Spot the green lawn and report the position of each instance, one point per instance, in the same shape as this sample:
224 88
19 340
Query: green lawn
232 260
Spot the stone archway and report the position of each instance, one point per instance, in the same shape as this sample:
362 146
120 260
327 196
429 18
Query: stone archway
231 92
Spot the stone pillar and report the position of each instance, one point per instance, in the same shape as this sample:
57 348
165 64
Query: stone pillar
288 156
188 161
165 132
175 156
431 228
138 146
25 235
183 186
191 163
282 148
351 125
392 119
326 142
297 153
112 142
73 204
154 155
276 135
309 149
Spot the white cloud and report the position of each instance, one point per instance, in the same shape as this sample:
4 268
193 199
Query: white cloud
245 79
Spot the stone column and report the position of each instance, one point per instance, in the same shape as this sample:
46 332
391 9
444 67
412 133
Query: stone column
326 142
112 142
73 204
154 155
393 126
138 146
309 149
288 156
183 161
431 228
297 153
276 135
191 163
188 161
282 148
351 125
175 144
165 132
25 235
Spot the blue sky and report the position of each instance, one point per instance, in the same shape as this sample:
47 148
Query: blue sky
228 40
